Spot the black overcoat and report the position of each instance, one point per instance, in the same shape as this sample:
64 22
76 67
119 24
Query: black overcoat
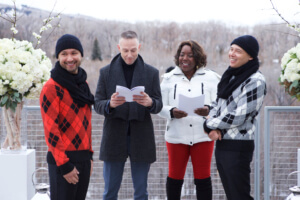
115 129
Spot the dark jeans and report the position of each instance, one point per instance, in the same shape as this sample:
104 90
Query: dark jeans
113 174
234 170
60 189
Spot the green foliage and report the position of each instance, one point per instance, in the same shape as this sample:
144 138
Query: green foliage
294 56
96 51
294 85
10 99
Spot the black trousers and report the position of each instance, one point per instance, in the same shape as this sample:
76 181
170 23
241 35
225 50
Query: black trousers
60 189
234 169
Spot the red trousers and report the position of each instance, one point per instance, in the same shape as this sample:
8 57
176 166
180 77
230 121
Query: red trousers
201 154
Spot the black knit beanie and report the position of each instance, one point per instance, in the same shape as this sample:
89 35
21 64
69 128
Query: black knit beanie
68 41
248 43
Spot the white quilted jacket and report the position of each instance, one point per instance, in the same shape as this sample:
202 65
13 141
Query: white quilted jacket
188 130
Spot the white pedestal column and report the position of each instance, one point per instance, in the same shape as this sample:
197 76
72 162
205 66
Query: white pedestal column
15 175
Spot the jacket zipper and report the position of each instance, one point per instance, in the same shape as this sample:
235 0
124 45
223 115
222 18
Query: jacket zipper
175 90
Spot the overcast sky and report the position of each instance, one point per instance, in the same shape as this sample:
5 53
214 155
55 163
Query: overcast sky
235 12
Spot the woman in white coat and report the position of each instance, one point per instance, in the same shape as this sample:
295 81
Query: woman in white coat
184 133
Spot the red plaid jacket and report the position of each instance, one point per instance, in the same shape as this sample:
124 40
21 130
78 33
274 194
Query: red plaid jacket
67 127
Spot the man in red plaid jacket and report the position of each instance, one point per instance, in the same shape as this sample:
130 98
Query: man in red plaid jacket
65 103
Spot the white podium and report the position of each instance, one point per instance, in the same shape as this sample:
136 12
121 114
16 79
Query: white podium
16 170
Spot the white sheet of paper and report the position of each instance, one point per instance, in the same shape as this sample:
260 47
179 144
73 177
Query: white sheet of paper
189 104
128 93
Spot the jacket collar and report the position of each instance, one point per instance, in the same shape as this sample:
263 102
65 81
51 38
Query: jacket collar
177 71
117 73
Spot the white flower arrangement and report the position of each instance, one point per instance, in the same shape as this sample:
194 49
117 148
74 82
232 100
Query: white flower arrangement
290 63
23 71
290 71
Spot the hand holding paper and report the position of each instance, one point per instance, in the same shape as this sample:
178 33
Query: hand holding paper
203 111
179 113
116 101
190 104
128 93
143 99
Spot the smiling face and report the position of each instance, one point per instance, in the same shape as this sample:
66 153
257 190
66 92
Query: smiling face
70 60
238 56
129 49
186 61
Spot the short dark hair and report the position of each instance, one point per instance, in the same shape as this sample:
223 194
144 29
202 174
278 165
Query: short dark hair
129 35
198 53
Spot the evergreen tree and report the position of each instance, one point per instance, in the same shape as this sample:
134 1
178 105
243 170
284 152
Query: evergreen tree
96 51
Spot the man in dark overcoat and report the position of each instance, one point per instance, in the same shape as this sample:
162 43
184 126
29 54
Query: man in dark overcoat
128 129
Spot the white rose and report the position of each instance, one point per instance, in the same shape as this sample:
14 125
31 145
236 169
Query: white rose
21 82
292 65
294 77
282 78
26 68
2 58
291 71
292 50
23 56
285 59
35 91
3 89
38 53
6 45
298 51
37 74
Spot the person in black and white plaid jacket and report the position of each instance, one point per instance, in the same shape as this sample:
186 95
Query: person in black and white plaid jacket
232 117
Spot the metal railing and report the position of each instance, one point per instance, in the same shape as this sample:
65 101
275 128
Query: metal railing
281 141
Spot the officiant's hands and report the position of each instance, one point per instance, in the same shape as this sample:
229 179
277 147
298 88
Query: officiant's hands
179 113
116 100
204 111
143 99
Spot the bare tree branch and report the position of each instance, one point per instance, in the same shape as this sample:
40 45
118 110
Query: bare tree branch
273 6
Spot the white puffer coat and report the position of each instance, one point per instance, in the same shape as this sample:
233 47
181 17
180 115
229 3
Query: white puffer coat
187 130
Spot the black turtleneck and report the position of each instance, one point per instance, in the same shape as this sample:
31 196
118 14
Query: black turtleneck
128 72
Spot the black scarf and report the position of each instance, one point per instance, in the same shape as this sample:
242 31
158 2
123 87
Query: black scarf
226 86
75 83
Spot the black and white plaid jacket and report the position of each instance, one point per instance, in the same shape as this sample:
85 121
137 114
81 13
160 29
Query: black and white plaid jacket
236 116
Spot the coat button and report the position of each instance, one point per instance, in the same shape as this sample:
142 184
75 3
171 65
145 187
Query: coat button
191 125
191 142
189 90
